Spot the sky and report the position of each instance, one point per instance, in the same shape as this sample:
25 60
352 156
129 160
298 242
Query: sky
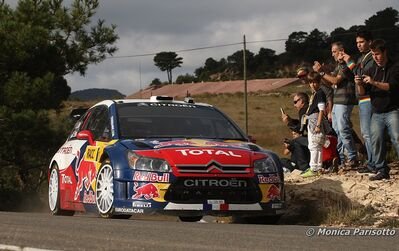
152 26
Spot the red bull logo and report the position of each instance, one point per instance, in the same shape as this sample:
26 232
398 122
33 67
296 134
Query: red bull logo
273 193
200 143
269 179
175 143
86 175
150 176
89 197
148 191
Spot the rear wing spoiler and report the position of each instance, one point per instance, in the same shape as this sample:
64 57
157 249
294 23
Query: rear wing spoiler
76 114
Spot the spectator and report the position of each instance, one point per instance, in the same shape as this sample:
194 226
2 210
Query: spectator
302 74
363 64
344 100
316 135
382 83
301 103
298 148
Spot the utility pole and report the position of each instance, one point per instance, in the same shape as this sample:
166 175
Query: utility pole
245 86
140 77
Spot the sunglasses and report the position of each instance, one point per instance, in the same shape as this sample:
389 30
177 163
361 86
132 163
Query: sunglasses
296 101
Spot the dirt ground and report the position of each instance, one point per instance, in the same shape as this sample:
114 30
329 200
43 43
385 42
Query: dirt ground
342 192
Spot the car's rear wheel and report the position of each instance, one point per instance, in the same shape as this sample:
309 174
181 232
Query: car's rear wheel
190 218
54 193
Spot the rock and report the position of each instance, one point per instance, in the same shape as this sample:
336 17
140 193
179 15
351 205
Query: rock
371 188
333 191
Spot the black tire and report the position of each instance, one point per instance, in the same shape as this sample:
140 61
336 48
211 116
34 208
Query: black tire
266 220
121 216
54 193
190 218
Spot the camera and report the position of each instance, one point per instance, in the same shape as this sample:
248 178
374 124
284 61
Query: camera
287 141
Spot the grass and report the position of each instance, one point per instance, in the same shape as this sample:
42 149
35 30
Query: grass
325 207
389 223
352 215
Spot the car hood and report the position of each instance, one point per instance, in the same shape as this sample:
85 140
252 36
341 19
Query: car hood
197 155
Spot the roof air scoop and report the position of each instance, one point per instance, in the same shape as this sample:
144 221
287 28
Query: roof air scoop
160 98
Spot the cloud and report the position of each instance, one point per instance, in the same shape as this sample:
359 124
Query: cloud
151 26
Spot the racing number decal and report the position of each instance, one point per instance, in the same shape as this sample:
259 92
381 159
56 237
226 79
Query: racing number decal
91 153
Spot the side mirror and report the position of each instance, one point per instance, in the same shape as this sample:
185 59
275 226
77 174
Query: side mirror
86 135
251 139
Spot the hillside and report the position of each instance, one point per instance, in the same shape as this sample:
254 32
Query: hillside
236 86
96 94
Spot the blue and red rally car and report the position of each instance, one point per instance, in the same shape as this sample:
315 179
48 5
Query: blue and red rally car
126 157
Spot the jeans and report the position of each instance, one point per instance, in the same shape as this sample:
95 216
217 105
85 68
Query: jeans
341 123
365 110
316 142
380 122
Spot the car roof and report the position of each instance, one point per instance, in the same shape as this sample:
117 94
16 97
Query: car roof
153 99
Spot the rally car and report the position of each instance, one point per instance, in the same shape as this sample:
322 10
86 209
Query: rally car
158 155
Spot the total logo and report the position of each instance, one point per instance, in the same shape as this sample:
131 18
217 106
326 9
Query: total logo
65 179
187 152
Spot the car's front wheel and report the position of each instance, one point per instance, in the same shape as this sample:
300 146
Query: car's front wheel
54 193
105 190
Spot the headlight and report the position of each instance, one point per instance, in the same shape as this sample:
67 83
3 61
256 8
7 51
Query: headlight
265 166
139 162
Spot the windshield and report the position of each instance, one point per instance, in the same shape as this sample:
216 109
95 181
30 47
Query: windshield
172 120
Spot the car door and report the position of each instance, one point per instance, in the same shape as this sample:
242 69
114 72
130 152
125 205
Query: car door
67 160
98 124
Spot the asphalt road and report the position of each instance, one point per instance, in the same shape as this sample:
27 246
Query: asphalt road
85 232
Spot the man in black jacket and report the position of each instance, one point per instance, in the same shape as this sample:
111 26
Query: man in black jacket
382 83
298 148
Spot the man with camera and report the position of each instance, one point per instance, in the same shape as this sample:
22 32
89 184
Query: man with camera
382 83
297 146
344 100
301 103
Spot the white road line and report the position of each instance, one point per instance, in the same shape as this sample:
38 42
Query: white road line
17 248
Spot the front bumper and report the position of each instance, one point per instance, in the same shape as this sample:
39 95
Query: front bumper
140 192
